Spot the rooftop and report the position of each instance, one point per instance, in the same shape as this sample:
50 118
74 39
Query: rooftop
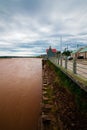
78 50
84 49
53 50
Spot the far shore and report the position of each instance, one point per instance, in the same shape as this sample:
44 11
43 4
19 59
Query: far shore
20 57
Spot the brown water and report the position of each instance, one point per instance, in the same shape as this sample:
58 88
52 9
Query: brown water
20 93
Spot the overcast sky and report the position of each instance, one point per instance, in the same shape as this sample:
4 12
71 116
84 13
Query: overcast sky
28 27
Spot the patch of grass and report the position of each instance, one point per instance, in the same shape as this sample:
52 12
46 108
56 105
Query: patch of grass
45 101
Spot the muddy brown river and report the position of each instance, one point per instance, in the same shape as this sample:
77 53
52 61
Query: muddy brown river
20 93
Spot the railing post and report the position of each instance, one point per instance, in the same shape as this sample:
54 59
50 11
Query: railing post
55 59
58 59
74 65
61 60
66 62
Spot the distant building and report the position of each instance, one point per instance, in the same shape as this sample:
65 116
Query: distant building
75 53
51 52
83 52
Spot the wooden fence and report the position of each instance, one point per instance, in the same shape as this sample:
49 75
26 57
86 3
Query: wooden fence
77 67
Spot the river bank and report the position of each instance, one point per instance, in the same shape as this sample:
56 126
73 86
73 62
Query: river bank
62 108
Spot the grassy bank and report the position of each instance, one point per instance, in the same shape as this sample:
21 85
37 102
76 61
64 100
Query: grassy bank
64 81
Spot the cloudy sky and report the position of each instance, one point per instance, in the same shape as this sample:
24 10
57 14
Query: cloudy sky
28 27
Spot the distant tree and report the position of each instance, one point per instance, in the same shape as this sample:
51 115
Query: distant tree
66 53
58 53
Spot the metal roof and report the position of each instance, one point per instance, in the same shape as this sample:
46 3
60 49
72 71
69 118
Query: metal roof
74 51
84 49
78 50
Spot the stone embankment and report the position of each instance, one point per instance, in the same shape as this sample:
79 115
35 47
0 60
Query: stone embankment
59 109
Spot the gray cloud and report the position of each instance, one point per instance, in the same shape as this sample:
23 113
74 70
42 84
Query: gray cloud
32 25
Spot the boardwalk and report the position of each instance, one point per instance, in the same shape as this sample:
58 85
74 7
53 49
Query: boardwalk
20 93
